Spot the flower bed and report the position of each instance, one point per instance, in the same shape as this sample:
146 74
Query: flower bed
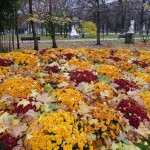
65 99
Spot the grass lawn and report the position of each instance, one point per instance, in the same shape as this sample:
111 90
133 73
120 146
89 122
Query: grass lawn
115 44
47 37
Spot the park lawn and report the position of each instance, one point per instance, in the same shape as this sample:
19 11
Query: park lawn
59 37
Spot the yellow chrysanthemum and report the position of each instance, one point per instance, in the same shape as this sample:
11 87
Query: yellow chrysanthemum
146 100
148 69
144 76
103 87
123 54
57 130
106 123
80 64
125 66
69 97
21 58
109 71
18 87
3 71
98 55
29 51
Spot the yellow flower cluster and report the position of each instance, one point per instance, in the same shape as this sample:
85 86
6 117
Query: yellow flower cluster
45 58
98 55
144 56
148 69
109 71
146 100
80 64
69 97
105 123
144 76
59 78
82 51
21 58
57 130
123 54
103 87
68 50
18 87
125 66
3 71
33 52
51 55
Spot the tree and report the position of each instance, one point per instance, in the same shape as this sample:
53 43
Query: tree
33 27
8 11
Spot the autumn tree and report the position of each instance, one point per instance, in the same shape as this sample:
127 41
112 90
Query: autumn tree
33 27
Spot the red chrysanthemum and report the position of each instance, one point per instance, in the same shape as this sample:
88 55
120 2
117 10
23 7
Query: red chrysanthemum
134 113
8 141
83 76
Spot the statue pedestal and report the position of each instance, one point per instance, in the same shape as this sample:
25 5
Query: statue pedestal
129 39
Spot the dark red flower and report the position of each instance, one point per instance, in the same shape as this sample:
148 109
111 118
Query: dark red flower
141 64
112 52
22 110
68 56
126 85
5 62
134 113
52 69
42 51
83 76
8 141
114 58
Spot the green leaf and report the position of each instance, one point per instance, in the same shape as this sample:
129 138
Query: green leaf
52 97
141 70
2 146
34 93
53 107
144 145
37 114
104 79
86 87
23 102
40 74
48 87
121 96
16 66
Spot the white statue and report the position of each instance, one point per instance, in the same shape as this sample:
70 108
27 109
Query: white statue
131 28
144 28
73 32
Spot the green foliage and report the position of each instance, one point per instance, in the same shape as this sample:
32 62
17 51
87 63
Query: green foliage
3 50
88 27
7 11
144 145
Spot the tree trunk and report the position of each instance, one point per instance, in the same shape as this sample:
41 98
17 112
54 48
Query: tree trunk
13 42
61 31
17 32
83 35
123 14
65 30
52 27
141 19
54 45
10 39
98 23
33 27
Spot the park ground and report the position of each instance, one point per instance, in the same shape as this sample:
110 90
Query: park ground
110 40
89 43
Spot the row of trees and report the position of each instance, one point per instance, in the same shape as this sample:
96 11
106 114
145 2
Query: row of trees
107 15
